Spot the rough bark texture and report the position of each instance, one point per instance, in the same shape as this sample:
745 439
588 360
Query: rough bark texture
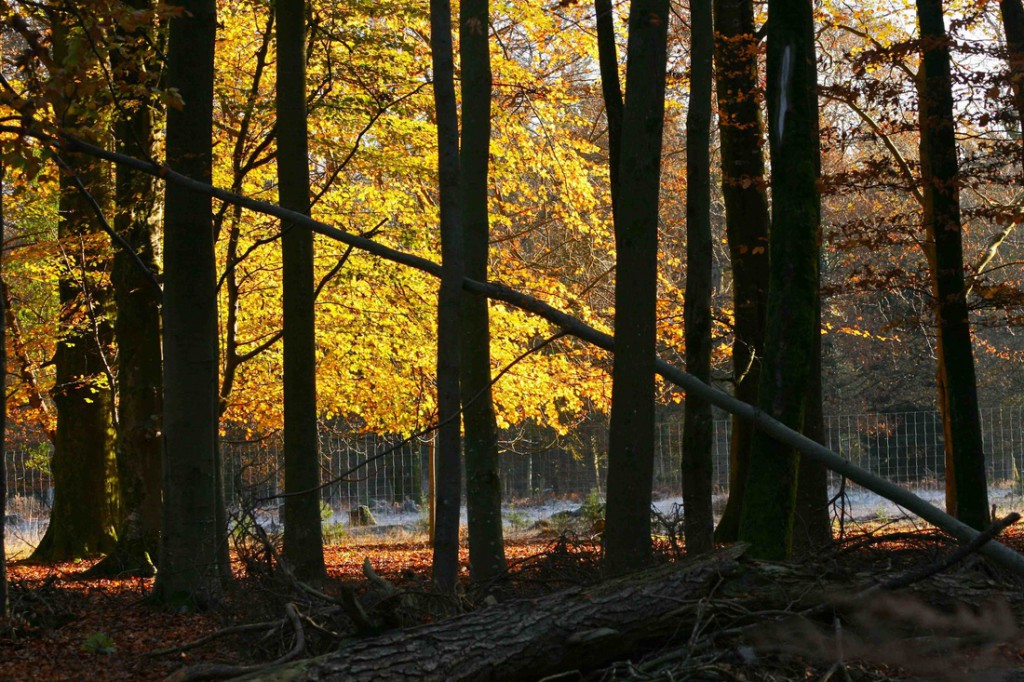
483 485
137 324
581 628
631 434
190 554
698 428
966 486
85 506
746 222
449 446
766 520
303 537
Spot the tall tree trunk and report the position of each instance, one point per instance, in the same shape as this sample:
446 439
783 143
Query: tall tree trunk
812 523
746 223
698 428
966 485
190 558
448 483
137 323
303 537
483 485
631 435
611 89
3 420
85 507
792 329
1012 12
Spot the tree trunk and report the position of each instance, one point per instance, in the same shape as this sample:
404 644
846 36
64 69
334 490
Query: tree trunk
746 223
698 428
3 420
766 519
583 628
812 522
631 433
483 484
190 555
966 484
448 483
137 324
303 537
85 506
1012 12
611 90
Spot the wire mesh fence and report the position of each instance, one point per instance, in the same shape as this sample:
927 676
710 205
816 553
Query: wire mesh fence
391 476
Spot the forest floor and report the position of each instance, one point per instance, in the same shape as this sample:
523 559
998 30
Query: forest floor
964 623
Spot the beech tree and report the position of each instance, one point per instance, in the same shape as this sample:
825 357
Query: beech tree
792 326
3 419
1012 13
137 298
698 427
85 507
483 485
303 537
966 485
190 572
631 435
447 461
744 192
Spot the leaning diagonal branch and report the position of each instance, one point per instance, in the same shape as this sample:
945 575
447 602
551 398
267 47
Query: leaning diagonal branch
1005 556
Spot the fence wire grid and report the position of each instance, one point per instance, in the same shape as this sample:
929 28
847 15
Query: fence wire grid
540 468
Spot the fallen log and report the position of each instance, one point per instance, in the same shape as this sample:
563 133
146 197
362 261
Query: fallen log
583 628
1004 556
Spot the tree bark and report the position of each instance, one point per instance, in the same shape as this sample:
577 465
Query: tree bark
303 538
766 519
746 222
3 419
583 628
85 505
483 485
190 558
966 484
611 89
631 433
698 428
448 458
812 522
137 322
1012 12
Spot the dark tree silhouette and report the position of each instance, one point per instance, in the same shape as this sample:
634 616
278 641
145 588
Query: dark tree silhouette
448 458
792 329
303 537
483 486
698 427
190 571
631 436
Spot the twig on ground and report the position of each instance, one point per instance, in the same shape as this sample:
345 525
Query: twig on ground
959 555
222 671
223 632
